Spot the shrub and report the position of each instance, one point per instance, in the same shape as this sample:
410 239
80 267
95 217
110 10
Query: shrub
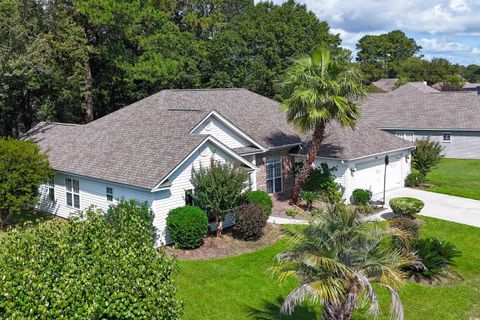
249 222
262 199
435 256
92 267
218 189
409 226
309 197
187 226
22 170
361 196
291 212
426 156
414 179
406 206
322 181
365 209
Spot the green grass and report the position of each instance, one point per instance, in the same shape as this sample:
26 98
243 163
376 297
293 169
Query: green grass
456 177
239 287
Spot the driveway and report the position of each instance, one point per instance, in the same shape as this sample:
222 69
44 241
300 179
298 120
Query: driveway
441 206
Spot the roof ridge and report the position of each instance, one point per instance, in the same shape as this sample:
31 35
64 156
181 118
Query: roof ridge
204 89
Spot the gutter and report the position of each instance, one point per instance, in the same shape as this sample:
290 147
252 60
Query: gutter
358 158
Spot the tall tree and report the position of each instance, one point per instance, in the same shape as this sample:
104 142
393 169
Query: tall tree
316 90
138 50
383 52
256 46
436 70
42 56
472 73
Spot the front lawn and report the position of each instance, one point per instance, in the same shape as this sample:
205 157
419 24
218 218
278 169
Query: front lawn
456 177
239 287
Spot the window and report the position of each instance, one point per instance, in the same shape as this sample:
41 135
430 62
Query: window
51 189
274 174
446 137
73 192
408 135
189 197
109 192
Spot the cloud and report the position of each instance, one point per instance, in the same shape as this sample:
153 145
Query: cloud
427 16
452 50
448 27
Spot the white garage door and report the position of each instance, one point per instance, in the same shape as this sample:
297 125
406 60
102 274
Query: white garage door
369 175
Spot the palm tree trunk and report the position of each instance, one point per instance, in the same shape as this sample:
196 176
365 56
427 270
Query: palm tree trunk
219 227
344 310
317 139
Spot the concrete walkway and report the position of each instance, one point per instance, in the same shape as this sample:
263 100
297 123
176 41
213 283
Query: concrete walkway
441 206
279 220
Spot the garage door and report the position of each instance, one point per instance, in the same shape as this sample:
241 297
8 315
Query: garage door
369 175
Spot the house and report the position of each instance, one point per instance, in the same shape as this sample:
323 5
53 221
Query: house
147 150
385 85
417 111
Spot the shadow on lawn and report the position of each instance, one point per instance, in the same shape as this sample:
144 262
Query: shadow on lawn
271 311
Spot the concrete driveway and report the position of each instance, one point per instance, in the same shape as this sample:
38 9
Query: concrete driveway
456 209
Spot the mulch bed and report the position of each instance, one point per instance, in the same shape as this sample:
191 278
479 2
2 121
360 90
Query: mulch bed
226 246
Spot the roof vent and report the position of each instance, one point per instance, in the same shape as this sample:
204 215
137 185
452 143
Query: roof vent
180 109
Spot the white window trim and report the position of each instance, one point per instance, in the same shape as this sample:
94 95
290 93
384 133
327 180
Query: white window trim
51 186
274 177
73 193
403 135
109 194
447 141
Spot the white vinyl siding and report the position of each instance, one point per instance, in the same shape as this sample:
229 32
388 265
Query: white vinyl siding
217 129
368 173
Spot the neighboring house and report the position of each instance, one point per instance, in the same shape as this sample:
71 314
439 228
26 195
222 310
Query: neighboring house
147 151
417 111
386 85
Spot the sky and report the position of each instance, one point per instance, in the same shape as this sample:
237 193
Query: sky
444 28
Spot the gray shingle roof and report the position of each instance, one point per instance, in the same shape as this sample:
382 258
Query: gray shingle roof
385 84
409 108
349 144
142 143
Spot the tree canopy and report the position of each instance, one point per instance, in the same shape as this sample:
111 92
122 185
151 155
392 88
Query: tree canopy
379 55
77 60
22 169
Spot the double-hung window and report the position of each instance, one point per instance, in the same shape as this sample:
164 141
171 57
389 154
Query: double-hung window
274 174
109 192
51 190
73 192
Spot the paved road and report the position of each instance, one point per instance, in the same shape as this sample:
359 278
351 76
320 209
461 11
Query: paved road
456 209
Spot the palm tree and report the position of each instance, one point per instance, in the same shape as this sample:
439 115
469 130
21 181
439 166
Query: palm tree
337 257
316 90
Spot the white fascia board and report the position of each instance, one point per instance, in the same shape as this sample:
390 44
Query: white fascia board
211 139
362 157
231 126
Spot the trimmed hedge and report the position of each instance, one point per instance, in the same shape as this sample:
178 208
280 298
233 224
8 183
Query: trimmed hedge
187 226
361 196
414 179
262 199
249 222
405 206
96 266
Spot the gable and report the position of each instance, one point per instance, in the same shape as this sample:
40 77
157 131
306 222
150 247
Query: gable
221 129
